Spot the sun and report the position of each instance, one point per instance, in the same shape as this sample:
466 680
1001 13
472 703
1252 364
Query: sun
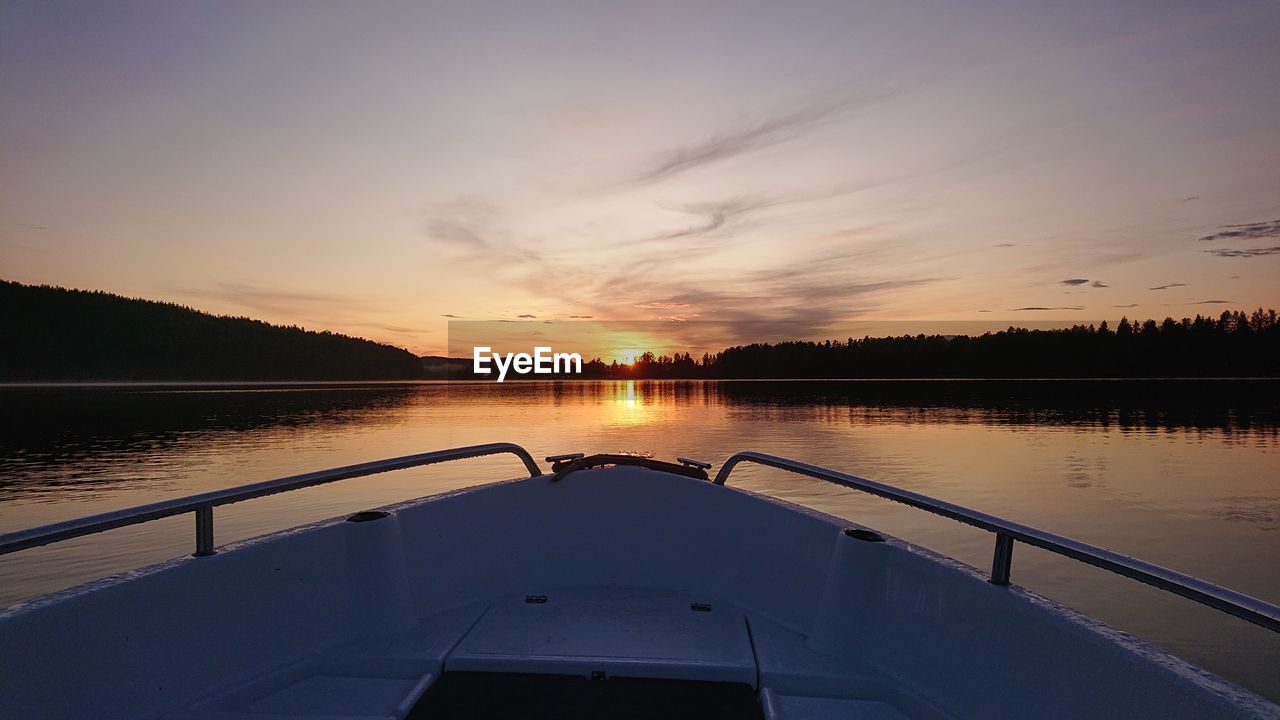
628 356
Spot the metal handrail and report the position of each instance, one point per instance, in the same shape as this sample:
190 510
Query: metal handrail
1228 601
202 505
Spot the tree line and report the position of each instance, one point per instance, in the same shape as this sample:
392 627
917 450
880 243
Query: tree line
53 334
1235 344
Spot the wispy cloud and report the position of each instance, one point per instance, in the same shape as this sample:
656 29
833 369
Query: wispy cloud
661 305
27 248
351 314
1074 281
767 132
284 302
1068 307
462 224
1246 253
527 316
1211 302
803 298
735 213
582 317
398 329
1170 285
469 229
1130 305
715 215
1098 284
1246 231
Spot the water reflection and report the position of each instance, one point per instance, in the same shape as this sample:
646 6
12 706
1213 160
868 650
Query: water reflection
81 439
88 442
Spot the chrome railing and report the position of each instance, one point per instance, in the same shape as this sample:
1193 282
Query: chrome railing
202 505
1228 601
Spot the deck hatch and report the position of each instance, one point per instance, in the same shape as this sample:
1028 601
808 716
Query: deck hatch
620 634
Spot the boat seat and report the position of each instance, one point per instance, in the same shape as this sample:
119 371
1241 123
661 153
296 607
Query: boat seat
603 633
372 678
800 683
326 687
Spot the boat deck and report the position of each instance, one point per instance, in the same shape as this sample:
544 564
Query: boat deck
618 591
585 652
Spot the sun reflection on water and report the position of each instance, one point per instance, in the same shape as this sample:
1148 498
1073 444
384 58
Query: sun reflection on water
628 406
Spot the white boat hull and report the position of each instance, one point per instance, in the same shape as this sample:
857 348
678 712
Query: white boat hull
644 574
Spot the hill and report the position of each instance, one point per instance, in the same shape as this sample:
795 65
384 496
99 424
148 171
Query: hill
52 334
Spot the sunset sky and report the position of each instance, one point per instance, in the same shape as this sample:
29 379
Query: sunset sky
379 168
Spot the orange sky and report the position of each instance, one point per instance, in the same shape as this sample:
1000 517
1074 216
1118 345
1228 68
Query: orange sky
381 170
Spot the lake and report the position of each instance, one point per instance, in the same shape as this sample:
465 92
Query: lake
1180 473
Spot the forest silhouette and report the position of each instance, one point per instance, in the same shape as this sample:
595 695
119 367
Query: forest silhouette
57 335
1234 344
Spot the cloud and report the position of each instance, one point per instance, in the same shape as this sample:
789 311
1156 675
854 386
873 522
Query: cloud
715 215
805 297
1069 307
463 224
661 305
582 317
349 314
27 248
1247 253
762 134
452 317
1166 287
1130 305
470 230
725 214
527 317
1005 245
284 302
1076 282
766 133
398 329
1246 231
1211 302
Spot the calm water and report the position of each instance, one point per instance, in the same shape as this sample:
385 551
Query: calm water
1182 474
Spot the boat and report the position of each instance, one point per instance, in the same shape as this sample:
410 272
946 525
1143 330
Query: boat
612 586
